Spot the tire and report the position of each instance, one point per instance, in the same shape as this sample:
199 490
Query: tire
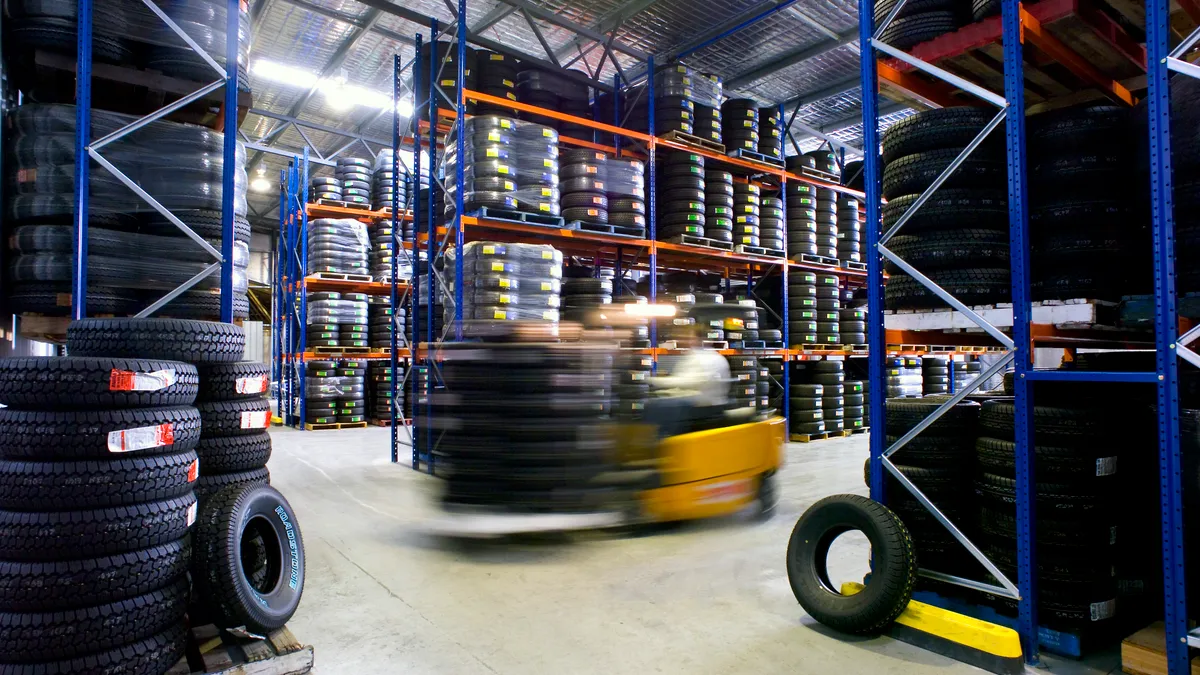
1066 464
39 587
951 248
940 128
211 484
228 381
154 655
234 418
970 286
1067 424
51 383
233 454
40 636
220 559
959 421
887 591
913 173
39 486
94 434
950 208
918 28
170 339
76 535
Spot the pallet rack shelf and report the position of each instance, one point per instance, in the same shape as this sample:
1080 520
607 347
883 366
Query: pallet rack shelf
1040 64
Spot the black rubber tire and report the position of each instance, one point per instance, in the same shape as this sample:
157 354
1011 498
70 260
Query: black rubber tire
76 535
39 486
959 421
887 591
211 484
170 339
232 454
1064 464
55 383
911 174
970 286
912 7
951 248
74 435
234 418
1067 424
229 381
152 656
220 566
78 632
950 208
918 28
39 587
940 128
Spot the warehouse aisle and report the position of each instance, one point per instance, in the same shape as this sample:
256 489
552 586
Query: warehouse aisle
381 598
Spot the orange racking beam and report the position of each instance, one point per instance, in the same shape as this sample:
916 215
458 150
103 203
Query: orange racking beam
1032 30
936 92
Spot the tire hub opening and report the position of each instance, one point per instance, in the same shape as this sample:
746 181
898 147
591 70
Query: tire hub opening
262 555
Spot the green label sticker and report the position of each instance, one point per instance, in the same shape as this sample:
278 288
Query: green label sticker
696 170
695 205
723 211
807 315
693 216
691 229
808 302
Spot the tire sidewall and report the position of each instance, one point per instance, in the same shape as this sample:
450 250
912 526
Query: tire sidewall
274 608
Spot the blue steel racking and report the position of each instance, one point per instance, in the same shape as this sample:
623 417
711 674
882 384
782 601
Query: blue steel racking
87 149
1012 112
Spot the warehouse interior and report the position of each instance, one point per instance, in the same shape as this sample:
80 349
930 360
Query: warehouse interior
545 336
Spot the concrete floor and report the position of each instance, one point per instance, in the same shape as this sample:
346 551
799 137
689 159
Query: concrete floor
381 597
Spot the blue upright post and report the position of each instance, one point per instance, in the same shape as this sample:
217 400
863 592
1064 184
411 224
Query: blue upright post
787 379
301 286
651 208
459 167
875 335
617 111
1018 222
430 224
232 19
414 322
1162 209
83 138
397 248
281 312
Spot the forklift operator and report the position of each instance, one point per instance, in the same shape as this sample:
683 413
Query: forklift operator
696 389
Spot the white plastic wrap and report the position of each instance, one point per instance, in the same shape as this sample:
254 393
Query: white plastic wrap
510 165
680 80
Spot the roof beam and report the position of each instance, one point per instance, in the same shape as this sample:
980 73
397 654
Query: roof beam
607 23
733 25
556 20
835 89
853 120
347 19
790 59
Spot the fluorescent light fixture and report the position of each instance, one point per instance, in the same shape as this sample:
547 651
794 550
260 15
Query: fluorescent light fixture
646 309
260 182
338 93
278 72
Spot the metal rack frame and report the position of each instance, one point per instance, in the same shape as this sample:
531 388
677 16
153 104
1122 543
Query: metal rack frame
1012 112
88 149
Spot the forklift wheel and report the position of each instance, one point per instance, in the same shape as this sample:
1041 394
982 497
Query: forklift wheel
768 496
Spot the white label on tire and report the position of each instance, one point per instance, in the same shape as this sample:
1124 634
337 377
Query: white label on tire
252 385
1106 466
141 438
192 512
1103 610
128 380
256 419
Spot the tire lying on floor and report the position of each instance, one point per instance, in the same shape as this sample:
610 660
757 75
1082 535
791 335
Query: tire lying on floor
885 594
240 532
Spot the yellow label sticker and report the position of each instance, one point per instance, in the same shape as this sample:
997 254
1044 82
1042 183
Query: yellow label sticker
508 83
493 152
547 255
505 283
494 136
497 267
497 57
741 219
546 192
505 298
547 286
505 124
544 207
489 250
502 170
500 315
547 132
548 163
747 123
447 83
510 96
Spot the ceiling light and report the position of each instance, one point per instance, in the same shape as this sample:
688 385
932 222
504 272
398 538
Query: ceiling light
339 94
260 182
285 74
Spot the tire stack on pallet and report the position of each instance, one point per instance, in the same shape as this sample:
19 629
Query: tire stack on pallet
546 404
718 205
497 77
545 89
445 70
856 416
488 166
325 188
97 470
923 21
337 320
355 175
825 161
352 316
584 186
135 255
802 309
681 195
827 223
379 390
849 231
536 157
770 132
801 219
959 237
739 119
382 321
1079 497
771 225
940 461
935 375
807 413
773 369
352 399
235 412
965 371
626 185
743 391
852 323
584 296
829 305
1086 234
741 323
631 384
747 210
386 185
338 246
708 123
322 386
903 376
831 375
506 283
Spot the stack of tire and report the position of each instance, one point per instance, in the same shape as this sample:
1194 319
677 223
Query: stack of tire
959 237
739 118
626 186
1079 497
537 176
674 110
382 250
718 205
829 305
965 371
380 323
711 319
584 186
421 383
805 405
831 375
852 324
682 325
337 320
741 323
921 22
773 369
546 405
379 390
770 132
940 461
497 77
747 207
204 22
631 384
796 164
1082 228
445 72
583 295
95 512
771 224
681 196
325 188
801 219
135 254
547 89
386 185
352 399
935 375
338 246
903 376
849 231
707 123
323 333
235 412
574 99
826 208
743 390
355 175
488 167
322 386
507 282
353 316
802 309
825 161
856 398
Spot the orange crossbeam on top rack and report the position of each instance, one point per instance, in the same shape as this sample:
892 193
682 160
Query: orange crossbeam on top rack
1031 30
314 283
331 211
337 356
554 114
557 233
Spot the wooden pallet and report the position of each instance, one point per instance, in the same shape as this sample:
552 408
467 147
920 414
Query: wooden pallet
334 276
715 344
860 430
694 141
343 204
759 250
308 426
815 260
215 652
341 351
705 242
769 163
819 175
856 266
1142 653
808 438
